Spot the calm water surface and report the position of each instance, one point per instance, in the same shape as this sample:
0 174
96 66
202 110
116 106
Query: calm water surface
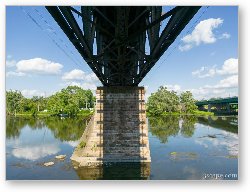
185 147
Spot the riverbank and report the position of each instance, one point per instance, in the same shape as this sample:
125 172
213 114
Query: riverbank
83 113
196 112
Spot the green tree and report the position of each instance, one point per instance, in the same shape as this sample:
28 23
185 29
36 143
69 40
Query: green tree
70 100
163 101
187 102
13 99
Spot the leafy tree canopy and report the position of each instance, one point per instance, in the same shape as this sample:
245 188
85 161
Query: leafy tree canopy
166 101
69 100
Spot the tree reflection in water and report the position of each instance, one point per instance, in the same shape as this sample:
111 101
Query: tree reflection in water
71 129
229 123
68 129
163 127
14 126
187 125
166 126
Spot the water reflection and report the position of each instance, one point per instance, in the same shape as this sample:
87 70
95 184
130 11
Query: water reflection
68 129
14 126
229 123
115 171
166 126
187 126
35 152
186 147
182 147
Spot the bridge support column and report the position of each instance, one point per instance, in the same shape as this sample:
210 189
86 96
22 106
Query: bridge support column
118 131
228 107
209 107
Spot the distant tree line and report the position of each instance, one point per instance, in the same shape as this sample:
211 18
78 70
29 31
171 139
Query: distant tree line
166 101
69 101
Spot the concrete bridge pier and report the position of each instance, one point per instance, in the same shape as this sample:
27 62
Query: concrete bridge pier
118 131
228 107
209 107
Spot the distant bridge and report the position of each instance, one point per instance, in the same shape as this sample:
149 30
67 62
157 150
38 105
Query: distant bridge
222 105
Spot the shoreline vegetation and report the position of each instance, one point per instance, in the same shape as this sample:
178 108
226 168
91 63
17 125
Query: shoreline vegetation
88 113
165 102
85 113
74 101
69 102
195 113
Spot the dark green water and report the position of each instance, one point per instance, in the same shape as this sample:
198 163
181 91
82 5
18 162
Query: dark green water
185 147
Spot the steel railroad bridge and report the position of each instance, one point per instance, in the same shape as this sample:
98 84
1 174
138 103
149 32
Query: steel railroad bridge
113 40
119 36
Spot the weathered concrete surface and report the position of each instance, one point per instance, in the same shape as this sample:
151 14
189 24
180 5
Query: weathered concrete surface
118 131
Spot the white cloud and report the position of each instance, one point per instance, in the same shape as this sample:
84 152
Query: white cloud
230 67
90 86
91 77
77 74
72 83
10 62
30 93
176 88
229 82
224 88
202 33
39 66
185 47
85 85
13 73
225 36
79 78
205 72
35 152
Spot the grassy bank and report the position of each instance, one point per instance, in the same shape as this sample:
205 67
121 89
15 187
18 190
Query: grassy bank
83 113
196 112
29 114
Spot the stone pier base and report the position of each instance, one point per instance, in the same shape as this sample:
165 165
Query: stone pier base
118 131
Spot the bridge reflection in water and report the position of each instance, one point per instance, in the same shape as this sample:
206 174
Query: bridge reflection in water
117 171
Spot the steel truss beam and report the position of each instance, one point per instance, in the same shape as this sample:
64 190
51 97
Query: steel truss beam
112 40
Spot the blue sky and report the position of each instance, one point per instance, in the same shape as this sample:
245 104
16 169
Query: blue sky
203 59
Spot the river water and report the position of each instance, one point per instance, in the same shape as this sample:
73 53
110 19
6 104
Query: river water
182 148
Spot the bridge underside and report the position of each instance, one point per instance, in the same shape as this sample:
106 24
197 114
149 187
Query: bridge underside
121 44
